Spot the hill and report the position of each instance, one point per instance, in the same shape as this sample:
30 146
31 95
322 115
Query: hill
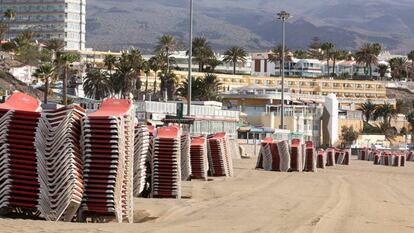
251 23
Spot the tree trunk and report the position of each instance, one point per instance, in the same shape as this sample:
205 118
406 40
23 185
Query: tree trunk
370 71
65 86
280 68
329 68
234 68
46 89
146 86
334 66
168 60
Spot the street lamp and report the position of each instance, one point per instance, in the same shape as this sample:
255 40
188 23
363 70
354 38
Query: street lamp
190 61
283 16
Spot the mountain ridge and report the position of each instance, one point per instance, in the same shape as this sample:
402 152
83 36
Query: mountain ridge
117 25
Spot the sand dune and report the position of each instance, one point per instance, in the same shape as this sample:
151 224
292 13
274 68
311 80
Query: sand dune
357 198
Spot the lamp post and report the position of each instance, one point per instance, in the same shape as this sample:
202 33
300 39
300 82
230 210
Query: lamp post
190 61
283 16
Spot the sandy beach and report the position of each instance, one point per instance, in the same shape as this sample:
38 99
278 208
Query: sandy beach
357 198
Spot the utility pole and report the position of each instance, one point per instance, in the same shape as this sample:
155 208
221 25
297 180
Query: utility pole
283 16
190 61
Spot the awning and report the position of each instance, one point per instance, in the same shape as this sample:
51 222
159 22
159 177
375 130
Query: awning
244 129
154 123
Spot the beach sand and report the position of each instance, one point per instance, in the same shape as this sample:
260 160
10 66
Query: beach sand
357 198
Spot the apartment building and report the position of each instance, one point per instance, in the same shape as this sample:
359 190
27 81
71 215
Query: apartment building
312 68
62 19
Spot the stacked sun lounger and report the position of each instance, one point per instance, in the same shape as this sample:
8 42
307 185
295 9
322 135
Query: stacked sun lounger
321 160
108 170
280 156
296 164
365 154
199 160
331 157
186 169
220 161
310 157
234 149
166 163
60 162
142 142
19 187
343 157
410 156
264 159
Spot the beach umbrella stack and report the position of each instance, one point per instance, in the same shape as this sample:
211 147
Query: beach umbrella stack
296 164
108 151
185 157
310 157
60 162
141 150
19 186
220 161
166 163
199 160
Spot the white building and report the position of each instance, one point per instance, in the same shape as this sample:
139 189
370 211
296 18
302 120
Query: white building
313 68
62 19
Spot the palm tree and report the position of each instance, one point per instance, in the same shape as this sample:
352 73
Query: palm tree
387 111
3 31
368 55
276 55
146 68
399 106
135 60
10 15
300 54
213 63
109 62
45 73
168 83
398 66
314 50
210 88
196 89
65 61
410 56
382 69
56 46
235 55
327 48
96 84
155 64
124 79
338 55
166 44
410 119
368 109
206 88
202 52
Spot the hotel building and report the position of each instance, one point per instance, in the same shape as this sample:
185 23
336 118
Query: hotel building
62 19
